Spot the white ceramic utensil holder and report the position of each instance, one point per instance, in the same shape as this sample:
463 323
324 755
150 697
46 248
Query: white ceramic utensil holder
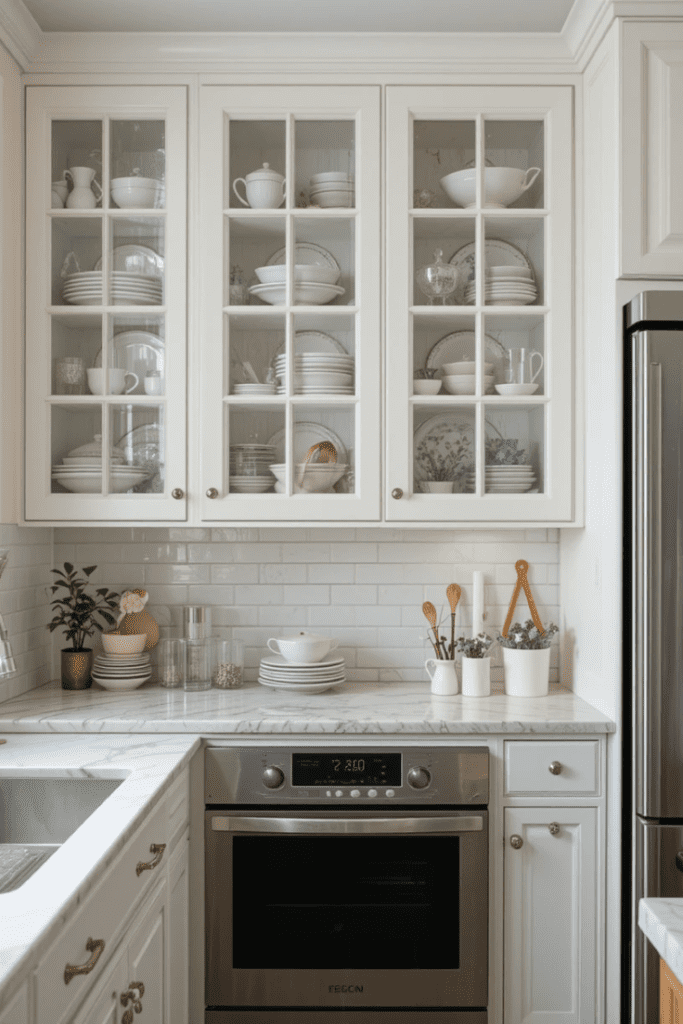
526 672
476 677
443 676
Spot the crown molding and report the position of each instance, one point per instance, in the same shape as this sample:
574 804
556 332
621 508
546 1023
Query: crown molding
20 34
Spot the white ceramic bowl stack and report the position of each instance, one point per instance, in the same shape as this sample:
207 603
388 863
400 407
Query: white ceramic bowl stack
505 286
126 289
250 468
122 671
310 478
507 479
135 193
82 474
318 373
302 663
314 284
332 189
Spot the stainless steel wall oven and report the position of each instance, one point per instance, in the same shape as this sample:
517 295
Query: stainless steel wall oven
346 882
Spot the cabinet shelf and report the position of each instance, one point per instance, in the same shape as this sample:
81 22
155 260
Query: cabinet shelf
456 400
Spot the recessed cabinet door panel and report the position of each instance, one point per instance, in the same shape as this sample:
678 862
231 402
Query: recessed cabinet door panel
148 959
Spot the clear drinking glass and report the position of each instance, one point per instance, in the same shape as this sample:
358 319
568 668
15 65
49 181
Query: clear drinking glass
170 663
198 664
228 667
70 376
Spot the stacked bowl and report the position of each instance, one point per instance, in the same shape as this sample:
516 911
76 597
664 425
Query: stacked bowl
332 188
249 468
317 373
505 286
310 478
314 285
81 470
138 193
124 664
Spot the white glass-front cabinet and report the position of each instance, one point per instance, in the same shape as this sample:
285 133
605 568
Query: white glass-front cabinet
479 258
290 256
105 311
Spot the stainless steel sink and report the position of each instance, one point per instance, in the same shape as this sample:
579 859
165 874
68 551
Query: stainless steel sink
38 815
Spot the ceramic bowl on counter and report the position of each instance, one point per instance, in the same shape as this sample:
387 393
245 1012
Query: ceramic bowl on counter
304 648
126 644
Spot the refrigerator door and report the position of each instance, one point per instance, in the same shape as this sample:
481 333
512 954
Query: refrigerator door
655 873
657 576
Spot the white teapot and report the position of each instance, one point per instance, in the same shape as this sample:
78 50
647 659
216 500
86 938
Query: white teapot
265 189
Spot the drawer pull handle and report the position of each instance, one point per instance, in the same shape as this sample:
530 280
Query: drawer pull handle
516 842
131 997
146 865
555 768
94 946
553 828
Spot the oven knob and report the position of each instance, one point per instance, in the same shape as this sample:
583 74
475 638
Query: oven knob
273 777
419 778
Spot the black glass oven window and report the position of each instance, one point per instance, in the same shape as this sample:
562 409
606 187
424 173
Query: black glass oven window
346 902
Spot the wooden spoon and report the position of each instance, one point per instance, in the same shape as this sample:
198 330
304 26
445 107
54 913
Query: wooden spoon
453 593
429 612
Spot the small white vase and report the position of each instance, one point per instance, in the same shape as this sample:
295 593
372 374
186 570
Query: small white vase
476 677
437 486
526 672
443 676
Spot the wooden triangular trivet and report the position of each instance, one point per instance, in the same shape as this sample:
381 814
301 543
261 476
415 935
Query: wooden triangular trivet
522 568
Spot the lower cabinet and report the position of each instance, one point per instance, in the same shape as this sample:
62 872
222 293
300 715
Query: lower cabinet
670 996
16 1011
550 915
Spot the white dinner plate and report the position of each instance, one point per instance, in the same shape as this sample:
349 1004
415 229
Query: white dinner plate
497 254
278 661
301 687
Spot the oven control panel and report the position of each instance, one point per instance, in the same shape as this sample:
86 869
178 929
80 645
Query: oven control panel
298 775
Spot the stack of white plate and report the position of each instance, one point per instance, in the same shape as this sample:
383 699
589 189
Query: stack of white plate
251 484
507 479
505 286
332 188
254 389
85 476
280 674
122 671
250 468
318 373
306 293
127 289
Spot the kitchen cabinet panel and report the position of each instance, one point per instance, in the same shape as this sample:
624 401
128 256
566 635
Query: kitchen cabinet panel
16 1011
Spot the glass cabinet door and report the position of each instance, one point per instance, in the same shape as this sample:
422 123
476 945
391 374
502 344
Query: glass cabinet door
106 311
289 279
479 361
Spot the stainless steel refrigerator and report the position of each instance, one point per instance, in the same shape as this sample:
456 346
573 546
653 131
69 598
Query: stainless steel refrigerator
653 629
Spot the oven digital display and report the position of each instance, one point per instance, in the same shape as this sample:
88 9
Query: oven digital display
364 769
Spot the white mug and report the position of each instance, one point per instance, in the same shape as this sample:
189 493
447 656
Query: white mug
443 676
154 385
117 381
61 188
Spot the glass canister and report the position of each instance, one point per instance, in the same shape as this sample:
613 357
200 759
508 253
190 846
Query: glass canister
198 664
170 663
197 622
228 668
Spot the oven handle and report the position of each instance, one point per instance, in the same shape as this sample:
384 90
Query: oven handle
347 826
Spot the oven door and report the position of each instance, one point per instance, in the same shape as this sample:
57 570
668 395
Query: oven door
340 910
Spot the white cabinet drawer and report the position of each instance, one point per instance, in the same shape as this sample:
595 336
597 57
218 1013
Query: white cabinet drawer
575 768
101 918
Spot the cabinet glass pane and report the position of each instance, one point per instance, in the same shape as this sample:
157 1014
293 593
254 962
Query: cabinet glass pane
253 144
439 341
137 349
324 262
449 241
325 162
514 156
256 442
252 343
76 275
76 342
443 449
138 164
73 427
514 449
515 261
138 431
442 148
316 425
76 148
136 262
325 355
515 350
253 243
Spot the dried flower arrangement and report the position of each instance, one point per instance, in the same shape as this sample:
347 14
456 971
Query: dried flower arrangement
475 646
527 637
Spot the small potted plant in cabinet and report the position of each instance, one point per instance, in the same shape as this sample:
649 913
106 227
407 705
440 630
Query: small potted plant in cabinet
77 613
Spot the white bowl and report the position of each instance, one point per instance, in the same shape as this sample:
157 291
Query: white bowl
306 648
330 200
134 197
312 478
311 274
86 482
135 182
426 387
450 369
516 389
305 294
322 379
330 176
463 385
121 684
502 186
124 643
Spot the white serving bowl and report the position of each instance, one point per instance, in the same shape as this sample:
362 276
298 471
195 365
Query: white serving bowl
110 683
322 379
89 482
426 387
451 369
463 384
311 274
333 199
306 648
324 177
521 272
136 182
516 389
312 478
134 198
124 643
305 294
502 186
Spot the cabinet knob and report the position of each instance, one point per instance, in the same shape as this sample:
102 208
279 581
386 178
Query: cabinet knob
178 493
397 493
212 492
516 842
553 828
554 767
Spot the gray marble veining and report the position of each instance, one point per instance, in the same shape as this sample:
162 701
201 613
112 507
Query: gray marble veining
394 709
661 921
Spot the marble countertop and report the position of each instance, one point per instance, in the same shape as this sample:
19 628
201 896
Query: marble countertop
32 916
661 921
392 709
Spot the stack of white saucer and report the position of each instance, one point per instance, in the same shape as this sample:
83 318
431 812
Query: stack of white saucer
122 671
279 674
318 373
507 479
505 286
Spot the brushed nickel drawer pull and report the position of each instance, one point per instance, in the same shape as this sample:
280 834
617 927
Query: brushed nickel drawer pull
94 946
516 842
555 767
158 850
553 828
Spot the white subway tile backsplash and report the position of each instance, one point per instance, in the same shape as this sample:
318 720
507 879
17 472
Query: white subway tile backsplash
305 595
328 572
25 606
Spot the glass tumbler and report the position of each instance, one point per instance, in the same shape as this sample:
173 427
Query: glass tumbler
198 664
70 376
170 663
228 668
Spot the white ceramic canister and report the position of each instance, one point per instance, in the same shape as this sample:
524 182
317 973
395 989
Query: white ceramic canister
526 672
476 677
265 189
443 676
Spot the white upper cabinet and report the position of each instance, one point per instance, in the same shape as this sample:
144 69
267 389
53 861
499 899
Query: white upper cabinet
289 292
105 303
652 149
479 261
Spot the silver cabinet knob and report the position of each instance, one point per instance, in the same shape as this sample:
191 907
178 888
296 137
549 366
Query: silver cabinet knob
553 828
212 492
273 777
397 493
177 493
516 842
554 767
419 778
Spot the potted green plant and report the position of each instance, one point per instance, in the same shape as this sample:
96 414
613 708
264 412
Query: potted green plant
526 659
77 613
476 664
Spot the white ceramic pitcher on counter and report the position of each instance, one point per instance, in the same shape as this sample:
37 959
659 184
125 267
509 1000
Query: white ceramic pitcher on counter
443 676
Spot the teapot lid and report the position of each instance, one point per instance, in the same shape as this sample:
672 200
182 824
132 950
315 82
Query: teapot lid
94 449
265 174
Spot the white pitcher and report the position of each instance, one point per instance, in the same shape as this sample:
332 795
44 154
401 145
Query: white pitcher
86 193
443 676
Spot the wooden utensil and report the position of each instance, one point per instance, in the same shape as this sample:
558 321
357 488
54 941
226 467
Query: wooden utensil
453 593
429 612
522 568
326 452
